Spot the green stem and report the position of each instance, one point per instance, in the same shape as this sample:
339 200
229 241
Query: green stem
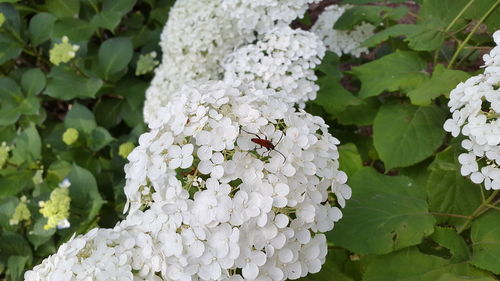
479 211
450 25
493 207
458 16
462 45
449 215
483 197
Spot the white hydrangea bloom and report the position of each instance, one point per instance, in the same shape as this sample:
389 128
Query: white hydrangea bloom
262 15
102 254
475 107
282 60
197 35
273 202
341 41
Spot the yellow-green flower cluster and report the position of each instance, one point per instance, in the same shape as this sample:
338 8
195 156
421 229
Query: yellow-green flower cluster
21 213
70 136
125 149
63 52
2 18
146 63
56 209
38 177
4 154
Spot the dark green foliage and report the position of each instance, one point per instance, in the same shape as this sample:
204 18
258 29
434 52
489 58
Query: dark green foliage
412 215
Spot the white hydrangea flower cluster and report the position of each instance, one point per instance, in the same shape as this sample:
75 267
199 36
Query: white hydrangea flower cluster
475 105
262 15
129 251
197 35
341 41
200 33
232 182
281 64
256 213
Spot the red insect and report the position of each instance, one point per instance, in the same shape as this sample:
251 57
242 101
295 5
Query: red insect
265 143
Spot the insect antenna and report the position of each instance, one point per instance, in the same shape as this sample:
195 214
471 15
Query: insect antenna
250 133
282 133
284 157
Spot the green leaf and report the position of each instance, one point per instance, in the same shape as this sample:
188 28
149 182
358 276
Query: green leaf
29 106
28 146
16 265
331 270
462 277
38 235
449 238
63 8
33 81
384 214
9 90
411 265
13 184
392 31
485 235
86 201
160 12
112 13
350 160
13 244
448 191
333 97
75 29
40 27
493 20
133 90
476 11
360 115
12 17
373 14
397 71
419 173
426 36
434 18
405 134
7 208
445 10
64 83
442 82
13 104
115 54
108 113
9 48
80 118
107 19
99 138
330 65
57 171
122 6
